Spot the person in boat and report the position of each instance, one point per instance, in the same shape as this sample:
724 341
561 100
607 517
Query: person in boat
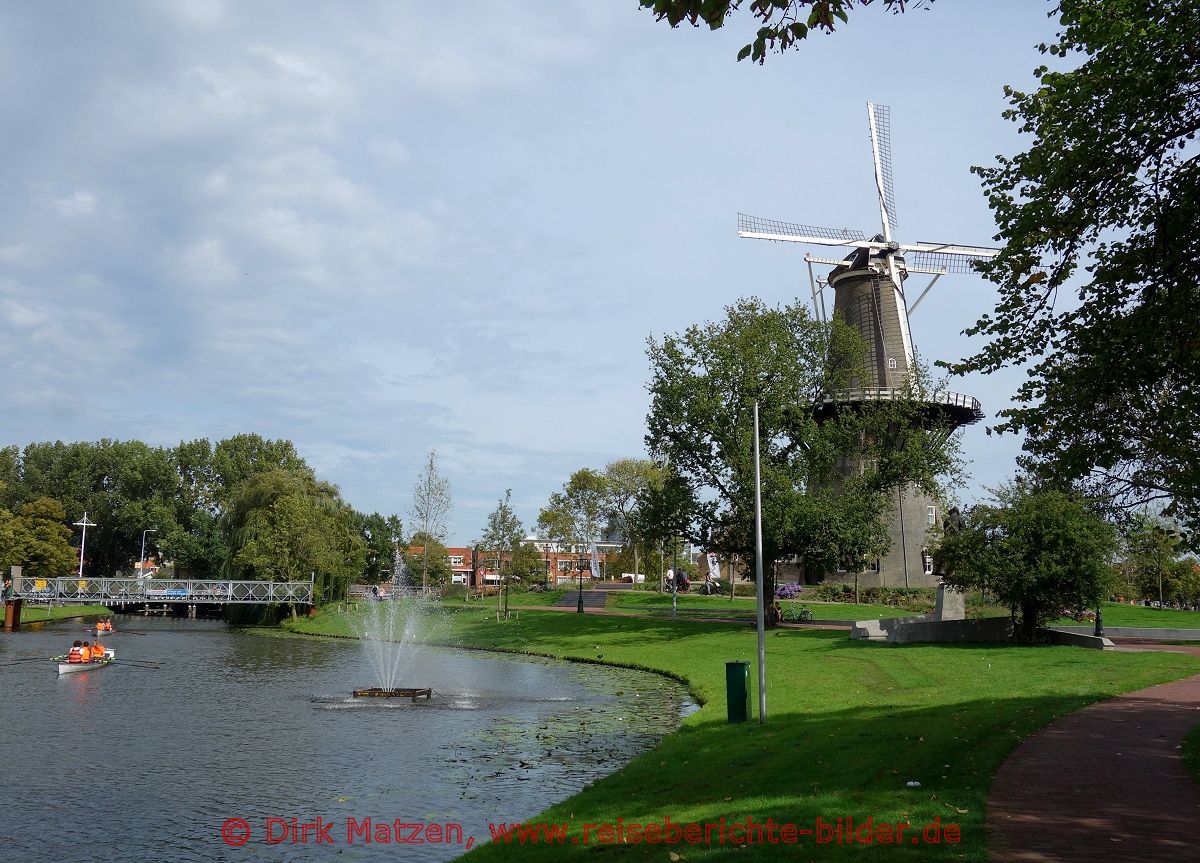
88 652
106 625
75 654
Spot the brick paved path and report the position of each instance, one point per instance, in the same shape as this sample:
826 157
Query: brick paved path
1105 783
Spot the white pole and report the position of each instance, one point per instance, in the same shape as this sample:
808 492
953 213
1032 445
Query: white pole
85 524
758 581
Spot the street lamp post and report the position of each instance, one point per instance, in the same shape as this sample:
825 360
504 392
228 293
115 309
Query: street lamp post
581 565
142 559
1160 574
85 524
674 578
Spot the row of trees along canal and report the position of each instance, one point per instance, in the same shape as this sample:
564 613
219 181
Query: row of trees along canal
247 508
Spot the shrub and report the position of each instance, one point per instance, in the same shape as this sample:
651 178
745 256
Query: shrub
835 593
788 591
908 598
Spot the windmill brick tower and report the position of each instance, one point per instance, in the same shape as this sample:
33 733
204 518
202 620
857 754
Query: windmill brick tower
868 285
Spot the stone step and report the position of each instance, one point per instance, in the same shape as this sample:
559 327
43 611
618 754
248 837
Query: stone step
591 599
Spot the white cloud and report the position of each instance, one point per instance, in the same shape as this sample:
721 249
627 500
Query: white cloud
79 203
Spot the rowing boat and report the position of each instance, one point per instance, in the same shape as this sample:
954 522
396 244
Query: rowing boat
65 667
102 631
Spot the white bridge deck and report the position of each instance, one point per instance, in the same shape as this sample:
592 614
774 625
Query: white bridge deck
104 591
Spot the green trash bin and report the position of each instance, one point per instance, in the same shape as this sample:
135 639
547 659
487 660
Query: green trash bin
737 689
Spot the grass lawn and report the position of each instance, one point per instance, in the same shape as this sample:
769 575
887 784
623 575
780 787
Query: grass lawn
742 607
690 605
1116 614
38 613
850 723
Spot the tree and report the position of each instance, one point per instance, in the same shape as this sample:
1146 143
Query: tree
431 505
40 542
238 459
503 536
665 507
1184 580
575 515
782 23
193 539
287 526
123 486
704 383
426 554
1104 204
626 479
380 536
1151 560
527 565
1042 552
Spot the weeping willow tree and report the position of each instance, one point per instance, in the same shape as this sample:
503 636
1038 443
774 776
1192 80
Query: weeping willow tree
285 525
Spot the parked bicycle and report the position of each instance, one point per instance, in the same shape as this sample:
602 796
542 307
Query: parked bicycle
792 614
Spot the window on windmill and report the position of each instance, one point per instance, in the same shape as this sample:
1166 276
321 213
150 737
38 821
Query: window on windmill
874 565
927 560
892 363
931 515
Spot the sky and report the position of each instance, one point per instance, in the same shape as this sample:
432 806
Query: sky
380 229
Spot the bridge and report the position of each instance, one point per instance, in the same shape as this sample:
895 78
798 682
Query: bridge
108 591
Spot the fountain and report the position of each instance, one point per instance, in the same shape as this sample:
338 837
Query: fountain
389 632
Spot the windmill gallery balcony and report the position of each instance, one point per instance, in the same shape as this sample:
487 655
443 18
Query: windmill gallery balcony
957 408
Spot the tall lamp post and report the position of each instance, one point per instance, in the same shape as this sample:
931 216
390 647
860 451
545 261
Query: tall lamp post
674 577
581 564
85 524
142 559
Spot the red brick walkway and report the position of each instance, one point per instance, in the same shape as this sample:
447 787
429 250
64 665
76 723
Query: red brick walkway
1105 783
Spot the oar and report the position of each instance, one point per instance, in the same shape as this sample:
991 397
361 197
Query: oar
23 659
145 665
119 632
146 662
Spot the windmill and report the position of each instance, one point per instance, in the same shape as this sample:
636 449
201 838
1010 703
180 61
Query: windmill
868 285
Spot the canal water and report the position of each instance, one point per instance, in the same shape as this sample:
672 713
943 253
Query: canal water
244 738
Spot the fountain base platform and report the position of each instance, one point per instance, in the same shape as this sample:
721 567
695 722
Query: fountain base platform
376 692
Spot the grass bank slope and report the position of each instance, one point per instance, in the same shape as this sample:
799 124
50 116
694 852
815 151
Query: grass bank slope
39 613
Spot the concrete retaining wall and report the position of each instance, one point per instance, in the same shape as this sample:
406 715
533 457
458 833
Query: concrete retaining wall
1076 639
1138 632
987 629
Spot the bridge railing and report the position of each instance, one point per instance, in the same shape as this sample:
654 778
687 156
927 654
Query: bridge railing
113 590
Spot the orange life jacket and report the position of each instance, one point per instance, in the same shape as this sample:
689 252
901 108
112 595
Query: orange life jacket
87 653
107 626
75 654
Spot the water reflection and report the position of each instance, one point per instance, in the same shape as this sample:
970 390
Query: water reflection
243 726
